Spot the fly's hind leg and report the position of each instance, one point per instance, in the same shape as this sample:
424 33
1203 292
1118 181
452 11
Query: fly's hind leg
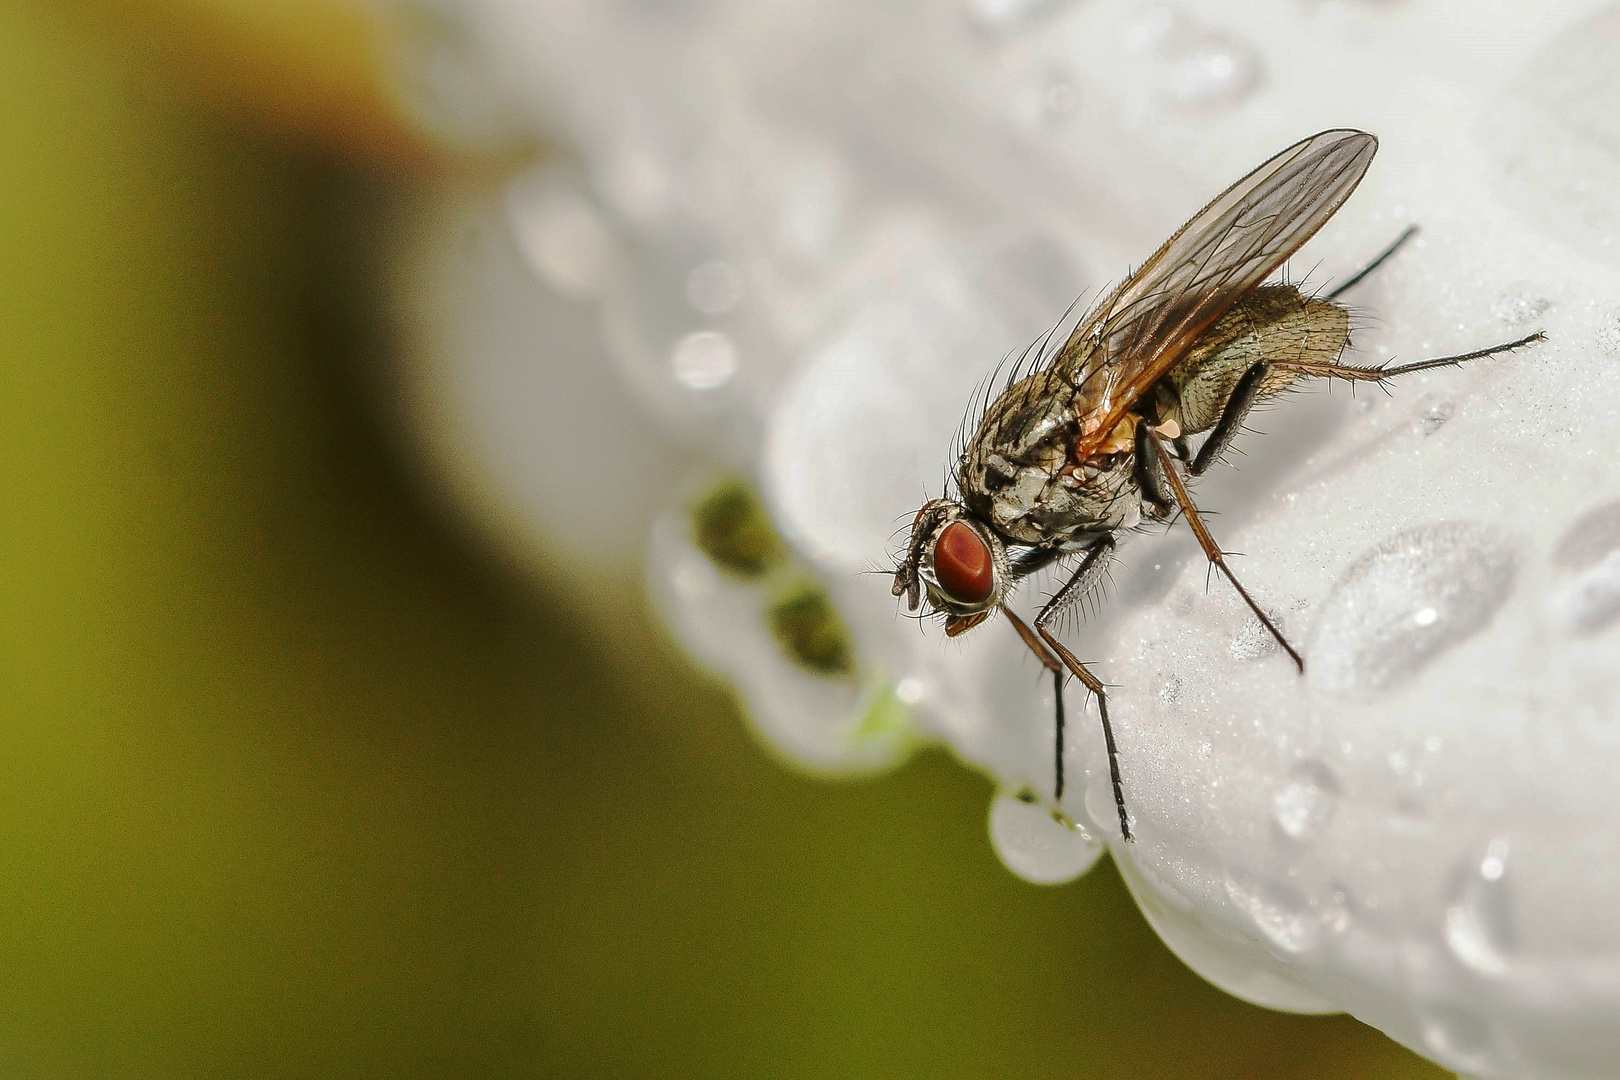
1212 551
1045 645
1379 374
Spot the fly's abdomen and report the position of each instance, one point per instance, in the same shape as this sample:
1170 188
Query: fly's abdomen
1275 322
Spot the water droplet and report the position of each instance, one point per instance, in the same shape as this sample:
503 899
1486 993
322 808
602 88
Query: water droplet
560 235
1036 846
1007 16
1519 305
713 288
1306 800
1281 915
1197 68
1407 601
1608 333
1253 641
1458 1039
1061 97
1170 690
1478 921
1434 417
704 360
1589 600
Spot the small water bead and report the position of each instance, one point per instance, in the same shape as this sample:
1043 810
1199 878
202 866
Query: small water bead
1281 915
1034 845
1434 417
1519 305
1253 641
1413 597
1458 1038
1170 690
1608 334
704 360
713 288
1196 68
560 234
1589 599
1009 16
1307 800
1478 923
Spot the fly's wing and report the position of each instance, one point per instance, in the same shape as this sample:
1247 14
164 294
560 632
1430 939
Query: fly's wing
1228 248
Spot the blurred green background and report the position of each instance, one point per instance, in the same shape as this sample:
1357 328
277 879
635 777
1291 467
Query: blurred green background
294 782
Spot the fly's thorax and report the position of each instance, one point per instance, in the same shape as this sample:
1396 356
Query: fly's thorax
1019 474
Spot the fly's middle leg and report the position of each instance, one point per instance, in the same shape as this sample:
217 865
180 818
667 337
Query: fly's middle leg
1213 552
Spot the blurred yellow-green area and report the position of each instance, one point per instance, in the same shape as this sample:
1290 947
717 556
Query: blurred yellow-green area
294 782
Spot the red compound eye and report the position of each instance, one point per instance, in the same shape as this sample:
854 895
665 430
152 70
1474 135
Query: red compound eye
963 565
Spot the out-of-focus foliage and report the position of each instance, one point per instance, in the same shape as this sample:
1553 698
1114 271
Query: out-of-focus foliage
291 784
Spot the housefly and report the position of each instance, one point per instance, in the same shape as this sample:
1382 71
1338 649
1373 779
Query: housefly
1094 438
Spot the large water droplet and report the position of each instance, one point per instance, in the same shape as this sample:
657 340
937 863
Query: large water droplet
562 237
1407 601
1589 600
1281 914
1478 923
1036 846
1458 1039
1306 801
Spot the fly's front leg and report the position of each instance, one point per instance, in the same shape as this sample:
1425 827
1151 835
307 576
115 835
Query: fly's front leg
1212 551
1045 644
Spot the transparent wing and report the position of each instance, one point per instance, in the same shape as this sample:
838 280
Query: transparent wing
1230 246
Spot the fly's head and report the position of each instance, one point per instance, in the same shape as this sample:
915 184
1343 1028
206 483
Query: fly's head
958 561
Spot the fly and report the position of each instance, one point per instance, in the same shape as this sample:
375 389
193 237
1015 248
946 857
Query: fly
1094 440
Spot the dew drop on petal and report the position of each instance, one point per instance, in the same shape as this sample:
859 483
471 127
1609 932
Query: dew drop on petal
1608 334
561 236
1413 597
1458 1038
1306 800
1519 305
704 360
1434 417
1587 599
1253 641
713 288
1478 923
1281 915
1007 16
1036 846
